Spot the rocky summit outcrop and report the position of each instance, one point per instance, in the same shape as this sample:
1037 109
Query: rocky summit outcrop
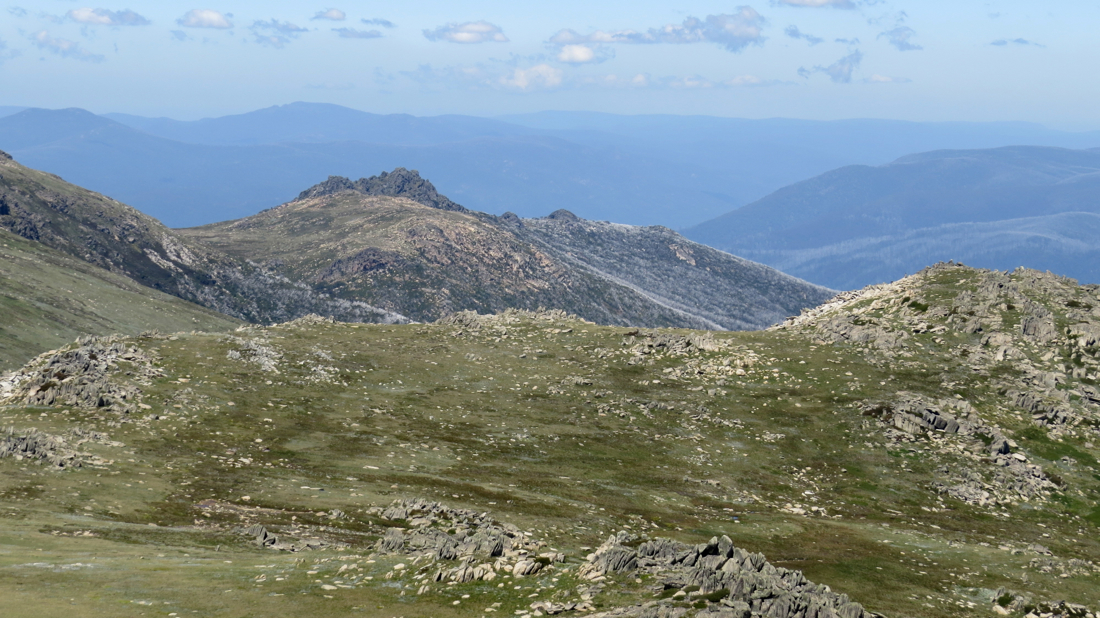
398 183
1031 336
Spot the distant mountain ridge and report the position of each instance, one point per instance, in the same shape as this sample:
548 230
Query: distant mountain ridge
675 171
858 225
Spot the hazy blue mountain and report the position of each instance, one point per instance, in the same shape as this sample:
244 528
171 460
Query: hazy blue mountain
997 208
8 110
322 122
186 184
675 171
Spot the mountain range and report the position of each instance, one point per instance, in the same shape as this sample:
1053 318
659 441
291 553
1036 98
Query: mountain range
859 225
643 170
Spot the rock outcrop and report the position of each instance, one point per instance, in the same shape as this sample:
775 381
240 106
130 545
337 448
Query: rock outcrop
398 183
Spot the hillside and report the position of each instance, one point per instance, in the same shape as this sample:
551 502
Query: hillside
428 259
111 235
726 291
48 299
859 225
924 449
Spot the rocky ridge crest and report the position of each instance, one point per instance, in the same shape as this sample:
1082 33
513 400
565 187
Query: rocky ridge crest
398 183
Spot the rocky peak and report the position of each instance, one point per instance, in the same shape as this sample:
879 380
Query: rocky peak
4 155
398 183
562 214
511 219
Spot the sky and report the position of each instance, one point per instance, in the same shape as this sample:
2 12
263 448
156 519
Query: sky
927 60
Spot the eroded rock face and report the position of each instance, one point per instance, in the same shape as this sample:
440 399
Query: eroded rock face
39 447
82 376
732 581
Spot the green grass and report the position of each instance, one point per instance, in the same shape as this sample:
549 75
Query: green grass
48 299
408 415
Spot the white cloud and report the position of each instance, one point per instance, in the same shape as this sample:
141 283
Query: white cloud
64 48
795 33
542 76
1005 42
103 17
385 23
352 33
204 18
576 54
899 38
469 32
734 31
818 4
691 82
331 14
840 71
275 33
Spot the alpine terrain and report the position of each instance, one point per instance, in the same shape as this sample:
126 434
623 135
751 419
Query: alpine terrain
392 241
925 448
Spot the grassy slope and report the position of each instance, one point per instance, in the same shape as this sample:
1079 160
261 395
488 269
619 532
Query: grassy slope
47 299
354 416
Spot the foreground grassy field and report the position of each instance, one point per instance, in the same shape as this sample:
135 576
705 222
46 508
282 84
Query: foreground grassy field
569 432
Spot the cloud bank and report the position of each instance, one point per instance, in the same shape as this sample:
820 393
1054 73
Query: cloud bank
733 31
104 17
538 77
64 48
204 18
385 23
819 4
468 33
275 33
795 33
899 38
352 33
839 72
331 14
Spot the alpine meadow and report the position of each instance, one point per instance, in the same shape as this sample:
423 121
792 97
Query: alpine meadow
470 310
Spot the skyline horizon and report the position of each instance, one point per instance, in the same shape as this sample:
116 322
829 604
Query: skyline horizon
936 61
10 109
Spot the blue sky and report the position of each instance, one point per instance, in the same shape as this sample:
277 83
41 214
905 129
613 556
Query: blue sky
817 59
